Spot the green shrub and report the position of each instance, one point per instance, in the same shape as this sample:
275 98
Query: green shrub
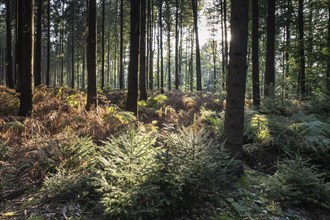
314 143
158 101
278 106
212 119
62 184
138 180
73 172
312 129
297 182
319 104
80 155
126 168
195 167
257 129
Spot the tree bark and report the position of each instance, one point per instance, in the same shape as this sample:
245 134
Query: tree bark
288 42
72 46
62 47
169 78
198 55
37 70
103 46
25 54
161 46
142 78
328 60
151 37
270 52
91 56
132 94
255 53
48 45
121 62
177 81
301 49
9 69
234 116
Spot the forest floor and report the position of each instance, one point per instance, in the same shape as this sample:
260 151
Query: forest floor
31 149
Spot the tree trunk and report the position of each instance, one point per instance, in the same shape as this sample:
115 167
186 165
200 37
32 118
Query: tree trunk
328 63
214 55
270 51
37 70
169 78
91 56
17 75
191 71
255 53
132 95
142 78
151 37
234 116
223 48
288 42
25 57
121 62
62 48
177 81
9 69
226 35
103 45
198 55
48 45
161 46
72 46
301 49
158 60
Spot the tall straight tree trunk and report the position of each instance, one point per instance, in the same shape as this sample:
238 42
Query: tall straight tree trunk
328 64
142 78
37 70
214 55
25 54
17 77
161 46
103 45
91 56
158 60
226 33
255 53
234 116
151 37
72 46
109 81
83 69
180 53
9 69
168 47
223 48
191 65
48 45
62 47
309 48
121 62
270 51
177 81
132 94
301 48
78 67
198 55
288 42
115 63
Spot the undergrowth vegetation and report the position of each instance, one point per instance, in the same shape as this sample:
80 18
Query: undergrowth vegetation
168 163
